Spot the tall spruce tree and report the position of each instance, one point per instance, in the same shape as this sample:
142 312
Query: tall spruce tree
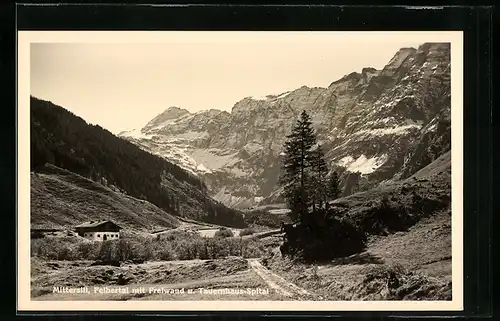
295 176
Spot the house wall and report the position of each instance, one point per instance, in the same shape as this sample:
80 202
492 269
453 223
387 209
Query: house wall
99 236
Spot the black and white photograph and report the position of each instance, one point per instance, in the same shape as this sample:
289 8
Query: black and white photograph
280 168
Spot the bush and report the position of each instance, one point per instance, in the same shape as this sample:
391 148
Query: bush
323 239
63 248
162 250
247 231
174 245
224 232
87 250
385 217
253 248
264 218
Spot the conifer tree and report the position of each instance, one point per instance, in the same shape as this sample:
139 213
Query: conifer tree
333 186
319 171
296 162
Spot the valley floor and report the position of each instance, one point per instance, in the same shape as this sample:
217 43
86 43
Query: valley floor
223 279
412 265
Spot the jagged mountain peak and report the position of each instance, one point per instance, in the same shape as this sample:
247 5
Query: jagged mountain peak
354 77
428 46
399 58
368 70
174 112
167 116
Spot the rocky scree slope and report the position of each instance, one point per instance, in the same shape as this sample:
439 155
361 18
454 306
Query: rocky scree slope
375 125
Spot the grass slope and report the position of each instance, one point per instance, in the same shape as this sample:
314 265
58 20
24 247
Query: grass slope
62 199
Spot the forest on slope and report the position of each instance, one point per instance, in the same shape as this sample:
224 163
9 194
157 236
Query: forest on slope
60 138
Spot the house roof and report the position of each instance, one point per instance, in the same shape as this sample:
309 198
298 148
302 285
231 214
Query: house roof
96 223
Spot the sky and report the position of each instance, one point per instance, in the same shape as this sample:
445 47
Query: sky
122 85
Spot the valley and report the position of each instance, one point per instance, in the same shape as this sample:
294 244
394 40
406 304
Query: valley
419 268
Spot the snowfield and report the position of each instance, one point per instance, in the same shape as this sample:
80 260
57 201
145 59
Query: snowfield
137 134
363 164
396 130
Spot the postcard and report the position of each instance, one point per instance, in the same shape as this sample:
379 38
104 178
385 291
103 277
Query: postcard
269 171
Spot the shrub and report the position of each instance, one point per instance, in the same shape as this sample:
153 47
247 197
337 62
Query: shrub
264 218
224 232
87 250
247 231
61 248
174 245
162 250
323 239
384 217
253 248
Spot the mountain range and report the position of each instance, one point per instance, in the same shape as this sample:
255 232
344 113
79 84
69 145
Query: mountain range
375 126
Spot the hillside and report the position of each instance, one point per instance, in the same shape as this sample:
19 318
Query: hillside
60 138
408 201
399 261
375 125
61 199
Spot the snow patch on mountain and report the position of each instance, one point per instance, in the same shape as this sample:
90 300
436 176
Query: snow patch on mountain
252 148
270 97
258 97
363 164
396 130
279 211
203 169
257 199
283 95
135 133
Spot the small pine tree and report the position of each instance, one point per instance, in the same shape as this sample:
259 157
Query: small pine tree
333 186
318 181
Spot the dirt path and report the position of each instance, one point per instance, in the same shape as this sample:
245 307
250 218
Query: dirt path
260 235
280 285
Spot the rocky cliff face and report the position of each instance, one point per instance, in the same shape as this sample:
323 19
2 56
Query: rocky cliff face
375 125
